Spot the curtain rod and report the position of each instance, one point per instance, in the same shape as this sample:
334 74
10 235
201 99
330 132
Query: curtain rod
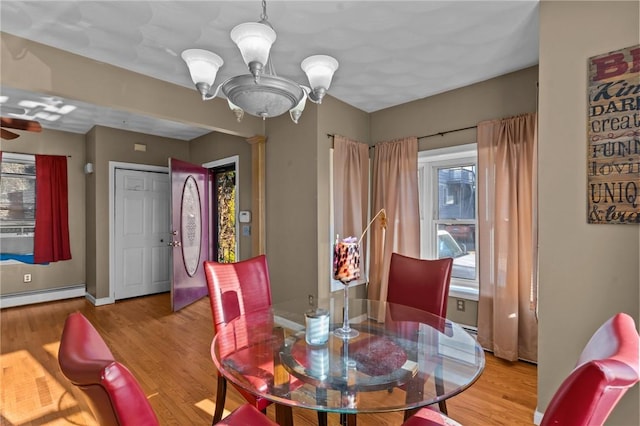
447 131
31 153
329 135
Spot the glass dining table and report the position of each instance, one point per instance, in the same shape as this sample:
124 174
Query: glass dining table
402 358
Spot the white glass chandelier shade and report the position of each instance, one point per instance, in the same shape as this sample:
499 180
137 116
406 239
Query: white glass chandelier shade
203 65
319 70
254 41
296 111
239 112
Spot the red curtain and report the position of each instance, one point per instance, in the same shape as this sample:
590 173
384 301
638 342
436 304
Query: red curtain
51 236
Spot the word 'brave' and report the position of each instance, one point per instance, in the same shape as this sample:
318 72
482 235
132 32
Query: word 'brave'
615 64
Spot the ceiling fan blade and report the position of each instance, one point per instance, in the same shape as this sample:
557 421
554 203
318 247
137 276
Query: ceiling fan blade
5 134
5 109
20 124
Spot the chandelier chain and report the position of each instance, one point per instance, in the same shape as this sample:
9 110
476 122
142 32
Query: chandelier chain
264 16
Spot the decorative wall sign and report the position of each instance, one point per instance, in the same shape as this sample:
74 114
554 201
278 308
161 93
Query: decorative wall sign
613 146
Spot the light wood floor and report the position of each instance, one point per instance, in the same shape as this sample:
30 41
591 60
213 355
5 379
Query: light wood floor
169 354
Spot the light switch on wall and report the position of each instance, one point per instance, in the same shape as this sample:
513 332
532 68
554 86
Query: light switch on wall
246 230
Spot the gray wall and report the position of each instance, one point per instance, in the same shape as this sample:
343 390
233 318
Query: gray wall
587 272
64 273
503 96
291 205
297 196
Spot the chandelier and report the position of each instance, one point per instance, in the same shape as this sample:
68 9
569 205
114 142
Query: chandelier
261 93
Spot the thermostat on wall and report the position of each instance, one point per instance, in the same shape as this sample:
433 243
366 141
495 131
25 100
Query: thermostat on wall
244 216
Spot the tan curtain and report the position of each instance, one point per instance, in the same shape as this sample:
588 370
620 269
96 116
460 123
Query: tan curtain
395 188
350 187
506 175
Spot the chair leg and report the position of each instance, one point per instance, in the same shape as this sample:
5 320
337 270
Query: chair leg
321 399
409 413
348 419
440 391
284 415
221 394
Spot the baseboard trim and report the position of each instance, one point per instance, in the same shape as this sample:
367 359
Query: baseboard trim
39 296
99 302
537 417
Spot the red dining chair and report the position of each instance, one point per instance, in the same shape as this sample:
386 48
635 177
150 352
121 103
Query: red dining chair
112 392
421 284
236 289
608 366
606 369
430 417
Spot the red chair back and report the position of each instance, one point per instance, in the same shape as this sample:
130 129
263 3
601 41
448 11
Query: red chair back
420 283
237 288
606 369
113 393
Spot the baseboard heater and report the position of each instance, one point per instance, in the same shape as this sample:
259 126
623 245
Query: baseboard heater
470 329
39 296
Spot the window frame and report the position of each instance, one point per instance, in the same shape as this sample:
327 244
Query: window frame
27 227
428 164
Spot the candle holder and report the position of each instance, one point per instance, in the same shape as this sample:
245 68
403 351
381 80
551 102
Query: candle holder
346 268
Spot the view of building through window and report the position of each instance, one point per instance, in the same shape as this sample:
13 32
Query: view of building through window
456 218
448 204
17 203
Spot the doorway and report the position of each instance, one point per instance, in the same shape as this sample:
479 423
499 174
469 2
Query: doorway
141 253
223 213
224 188
229 168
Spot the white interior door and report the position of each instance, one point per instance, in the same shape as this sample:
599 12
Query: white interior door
142 226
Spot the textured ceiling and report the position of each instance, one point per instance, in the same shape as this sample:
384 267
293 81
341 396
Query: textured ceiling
390 52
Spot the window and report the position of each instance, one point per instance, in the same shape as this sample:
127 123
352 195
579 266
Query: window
448 219
17 204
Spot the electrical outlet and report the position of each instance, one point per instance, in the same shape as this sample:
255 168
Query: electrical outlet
460 305
311 300
27 278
